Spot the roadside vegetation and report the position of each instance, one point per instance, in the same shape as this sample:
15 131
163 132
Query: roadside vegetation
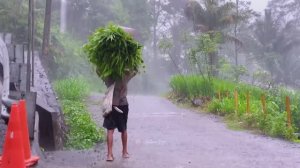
82 132
218 97
259 92
220 41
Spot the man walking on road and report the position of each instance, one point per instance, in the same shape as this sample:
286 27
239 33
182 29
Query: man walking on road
119 115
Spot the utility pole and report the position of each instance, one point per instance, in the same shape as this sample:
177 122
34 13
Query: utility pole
32 40
46 35
30 46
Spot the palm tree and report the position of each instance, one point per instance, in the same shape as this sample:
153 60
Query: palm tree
211 17
273 47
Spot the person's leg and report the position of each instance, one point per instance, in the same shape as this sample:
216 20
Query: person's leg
110 134
124 144
122 128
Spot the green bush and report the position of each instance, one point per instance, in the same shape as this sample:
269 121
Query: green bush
82 133
278 125
221 107
273 123
215 106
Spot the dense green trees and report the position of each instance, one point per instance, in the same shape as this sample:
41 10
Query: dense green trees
273 41
169 29
274 47
211 17
13 18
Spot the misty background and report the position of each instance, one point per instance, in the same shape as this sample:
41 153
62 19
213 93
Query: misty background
260 38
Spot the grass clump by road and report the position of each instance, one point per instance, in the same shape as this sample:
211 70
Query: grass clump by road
83 132
218 97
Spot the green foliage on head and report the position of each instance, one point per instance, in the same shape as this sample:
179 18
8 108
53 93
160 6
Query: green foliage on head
113 51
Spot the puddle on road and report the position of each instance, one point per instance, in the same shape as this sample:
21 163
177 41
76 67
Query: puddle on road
179 166
150 142
149 115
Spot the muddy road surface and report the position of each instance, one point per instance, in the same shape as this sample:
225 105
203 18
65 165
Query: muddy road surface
162 135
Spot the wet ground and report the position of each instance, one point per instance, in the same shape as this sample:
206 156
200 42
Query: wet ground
2 134
162 135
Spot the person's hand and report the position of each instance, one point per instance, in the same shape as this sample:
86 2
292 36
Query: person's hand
98 72
127 70
130 71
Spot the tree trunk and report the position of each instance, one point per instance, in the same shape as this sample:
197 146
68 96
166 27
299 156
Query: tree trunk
235 43
46 35
176 49
156 14
213 63
155 42
235 33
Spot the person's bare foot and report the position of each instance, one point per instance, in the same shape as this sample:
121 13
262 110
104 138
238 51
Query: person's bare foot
110 158
125 155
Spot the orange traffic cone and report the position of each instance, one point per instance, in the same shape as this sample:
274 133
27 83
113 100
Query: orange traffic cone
29 160
13 153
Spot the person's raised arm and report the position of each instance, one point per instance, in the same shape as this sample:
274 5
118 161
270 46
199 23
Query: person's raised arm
129 75
108 80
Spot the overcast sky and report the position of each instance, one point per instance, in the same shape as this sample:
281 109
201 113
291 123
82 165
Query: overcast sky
259 5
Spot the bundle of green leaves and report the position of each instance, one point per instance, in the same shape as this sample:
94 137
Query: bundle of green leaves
114 52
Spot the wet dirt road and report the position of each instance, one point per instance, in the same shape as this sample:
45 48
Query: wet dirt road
162 135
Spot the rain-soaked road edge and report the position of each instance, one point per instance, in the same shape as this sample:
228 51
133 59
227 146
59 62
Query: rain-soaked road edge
162 135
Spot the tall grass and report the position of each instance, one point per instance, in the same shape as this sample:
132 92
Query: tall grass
74 89
83 133
196 86
273 123
191 86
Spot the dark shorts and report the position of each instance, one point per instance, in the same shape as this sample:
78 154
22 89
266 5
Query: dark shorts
116 119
